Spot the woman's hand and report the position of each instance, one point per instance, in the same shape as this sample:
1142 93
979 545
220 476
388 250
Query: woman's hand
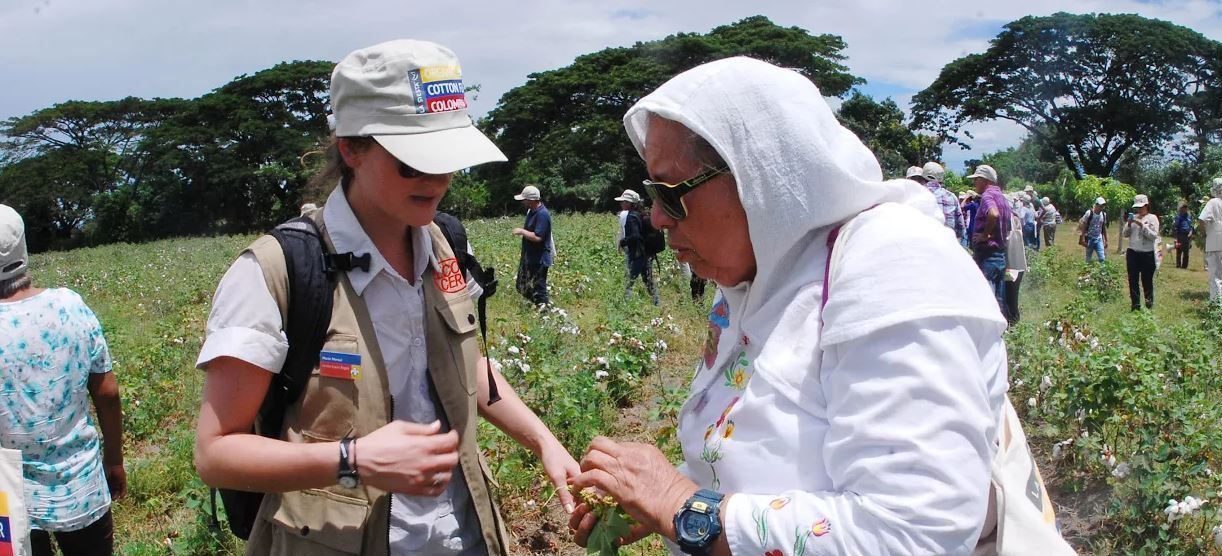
560 468
640 478
408 458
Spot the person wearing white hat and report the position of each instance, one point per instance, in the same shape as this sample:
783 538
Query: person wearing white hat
991 234
1211 227
952 213
537 246
853 355
1048 217
915 174
53 353
636 257
379 454
1142 230
1092 230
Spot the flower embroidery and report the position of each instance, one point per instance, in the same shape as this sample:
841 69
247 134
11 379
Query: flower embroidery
778 503
817 529
820 528
729 429
709 432
736 372
726 412
774 553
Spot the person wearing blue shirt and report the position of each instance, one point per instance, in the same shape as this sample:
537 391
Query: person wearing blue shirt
537 247
1183 236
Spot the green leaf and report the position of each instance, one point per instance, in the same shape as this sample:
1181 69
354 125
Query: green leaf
610 527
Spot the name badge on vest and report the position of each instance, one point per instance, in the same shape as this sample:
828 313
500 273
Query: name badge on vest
335 364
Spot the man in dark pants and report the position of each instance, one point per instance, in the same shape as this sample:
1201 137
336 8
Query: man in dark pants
537 247
1183 236
990 234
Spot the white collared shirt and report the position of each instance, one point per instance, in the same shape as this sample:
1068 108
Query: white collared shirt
245 324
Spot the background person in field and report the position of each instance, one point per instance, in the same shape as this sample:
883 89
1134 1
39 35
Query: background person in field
989 237
1016 266
1182 229
1142 231
53 361
637 262
832 428
537 250
1048 218
1211 228
377 456
932 174
1092 231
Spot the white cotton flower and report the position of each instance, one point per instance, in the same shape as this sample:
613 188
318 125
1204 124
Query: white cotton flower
602 361
1192 504
1019 383
1122 470
1172 510
1085 434
1081 415
525 368
661 345
653 357
1056 450
656 322
1031 403
601 374
1218 536
1045 383
514 350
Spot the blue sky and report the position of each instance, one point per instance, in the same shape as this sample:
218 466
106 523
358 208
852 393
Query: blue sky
57 50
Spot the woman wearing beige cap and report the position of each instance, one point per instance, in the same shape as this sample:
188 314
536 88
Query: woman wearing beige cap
379 454
1142 231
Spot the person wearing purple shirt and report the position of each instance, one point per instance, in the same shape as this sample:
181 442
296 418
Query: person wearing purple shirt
990 231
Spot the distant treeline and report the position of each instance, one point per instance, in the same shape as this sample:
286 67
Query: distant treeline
1110 95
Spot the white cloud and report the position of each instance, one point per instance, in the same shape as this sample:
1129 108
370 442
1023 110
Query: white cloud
56 50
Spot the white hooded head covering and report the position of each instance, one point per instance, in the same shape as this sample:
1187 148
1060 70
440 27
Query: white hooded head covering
798 173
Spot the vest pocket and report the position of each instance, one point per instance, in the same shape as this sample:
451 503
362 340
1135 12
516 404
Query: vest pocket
329 406
458 314
308 518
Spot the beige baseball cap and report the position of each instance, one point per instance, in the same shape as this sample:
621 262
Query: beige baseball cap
630 196
984 171
933 171
14 259
529 193
1140 201
913 172
409 96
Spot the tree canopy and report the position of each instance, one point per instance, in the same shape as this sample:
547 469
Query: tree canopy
563 128
1090 87
880 125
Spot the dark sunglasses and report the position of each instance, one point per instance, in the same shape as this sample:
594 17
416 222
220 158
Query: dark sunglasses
670 195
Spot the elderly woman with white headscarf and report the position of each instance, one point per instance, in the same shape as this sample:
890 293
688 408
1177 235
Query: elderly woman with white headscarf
847 400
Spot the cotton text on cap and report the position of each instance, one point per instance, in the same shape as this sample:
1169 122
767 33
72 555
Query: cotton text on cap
409 96
529 193
14 258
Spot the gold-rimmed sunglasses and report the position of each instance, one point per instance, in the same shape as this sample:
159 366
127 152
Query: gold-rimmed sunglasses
670 195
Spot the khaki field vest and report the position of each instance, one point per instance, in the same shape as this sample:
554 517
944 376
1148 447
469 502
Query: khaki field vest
336 520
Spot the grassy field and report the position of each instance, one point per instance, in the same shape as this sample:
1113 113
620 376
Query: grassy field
153 300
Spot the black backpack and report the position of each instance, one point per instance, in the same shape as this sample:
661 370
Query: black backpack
653 239
313 273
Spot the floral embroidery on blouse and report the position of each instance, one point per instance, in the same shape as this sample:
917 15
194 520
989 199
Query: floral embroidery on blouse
759 515
817 529
736 372
719 319
714 436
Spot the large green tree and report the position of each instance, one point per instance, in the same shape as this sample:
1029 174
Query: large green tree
880 125
1090 87
563 129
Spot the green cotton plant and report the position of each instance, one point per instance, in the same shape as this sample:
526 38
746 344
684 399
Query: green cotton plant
1100 281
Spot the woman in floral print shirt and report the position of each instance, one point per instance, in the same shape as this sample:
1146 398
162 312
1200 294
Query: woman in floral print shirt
860 422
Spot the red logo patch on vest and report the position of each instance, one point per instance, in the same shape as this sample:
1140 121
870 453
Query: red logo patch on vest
450 279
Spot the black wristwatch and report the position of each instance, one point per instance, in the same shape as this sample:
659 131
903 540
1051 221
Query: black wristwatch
347 472
698 523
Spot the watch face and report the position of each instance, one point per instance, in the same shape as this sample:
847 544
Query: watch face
694 526
347 481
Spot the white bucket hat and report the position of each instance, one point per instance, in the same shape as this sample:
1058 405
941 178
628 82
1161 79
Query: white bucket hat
409 96
14 259
630 196
529 193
